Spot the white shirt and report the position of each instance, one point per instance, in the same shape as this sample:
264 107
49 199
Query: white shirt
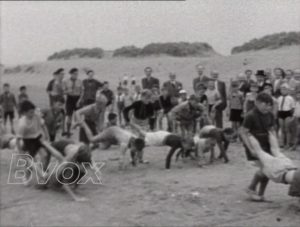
156 138
286 103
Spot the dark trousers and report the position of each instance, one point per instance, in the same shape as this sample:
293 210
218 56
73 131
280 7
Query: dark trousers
219 118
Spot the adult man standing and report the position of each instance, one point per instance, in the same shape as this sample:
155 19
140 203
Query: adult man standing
221 88
201 79
149 82
55 86
261 79
173 86
90 87
73 89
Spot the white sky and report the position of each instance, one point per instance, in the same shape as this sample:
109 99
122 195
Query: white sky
31 31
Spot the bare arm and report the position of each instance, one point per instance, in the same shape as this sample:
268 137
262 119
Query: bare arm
53 151
245 133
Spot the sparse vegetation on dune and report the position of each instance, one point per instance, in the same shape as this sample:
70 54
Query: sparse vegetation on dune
176 49
77 53
273 41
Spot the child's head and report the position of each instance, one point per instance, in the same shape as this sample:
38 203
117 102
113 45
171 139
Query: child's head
23 89
112 118
248 73
90 73
74 73
279 73
6 87
211 85
183 94
234 86
137 88
254 87
105 84
27 108
229 133
136 146
146 96
58 103
119 90
59 74
289 74
155 90
284 89
264 102
268 88
201 89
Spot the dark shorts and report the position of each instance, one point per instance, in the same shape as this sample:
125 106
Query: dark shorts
32 146
294 189
9 115
71 105
284 114
236 115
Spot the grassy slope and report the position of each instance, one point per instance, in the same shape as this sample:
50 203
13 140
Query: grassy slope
113 68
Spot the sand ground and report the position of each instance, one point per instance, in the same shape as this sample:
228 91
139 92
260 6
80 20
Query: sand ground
149 195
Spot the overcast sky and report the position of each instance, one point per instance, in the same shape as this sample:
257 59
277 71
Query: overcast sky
31 31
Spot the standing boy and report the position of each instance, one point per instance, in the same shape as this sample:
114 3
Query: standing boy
9 105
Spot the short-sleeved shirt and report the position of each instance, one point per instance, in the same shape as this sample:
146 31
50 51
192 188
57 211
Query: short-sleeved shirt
259 125
30 128
55 88
90 88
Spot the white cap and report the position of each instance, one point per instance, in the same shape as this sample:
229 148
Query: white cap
182 91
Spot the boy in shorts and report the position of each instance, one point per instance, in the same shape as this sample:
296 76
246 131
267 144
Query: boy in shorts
9 105
31 133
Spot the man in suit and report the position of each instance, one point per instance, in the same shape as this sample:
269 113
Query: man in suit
261 80
201 79
149 82
173 86
221 87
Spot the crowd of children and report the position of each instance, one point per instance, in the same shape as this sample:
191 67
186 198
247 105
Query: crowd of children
92 103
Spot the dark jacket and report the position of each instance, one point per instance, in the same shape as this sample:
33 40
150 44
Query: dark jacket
150 83
173 88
